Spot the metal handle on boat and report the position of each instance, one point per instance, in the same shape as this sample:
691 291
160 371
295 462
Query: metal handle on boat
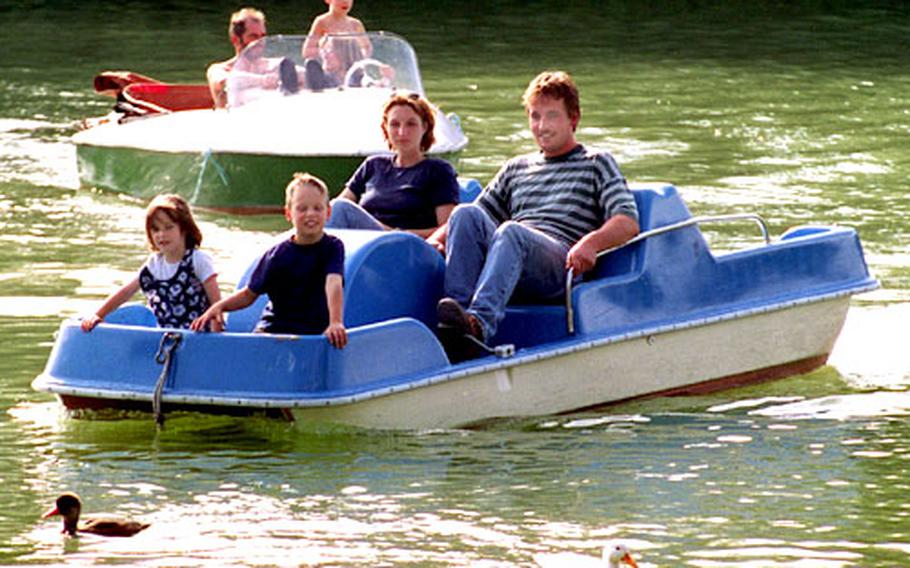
570 313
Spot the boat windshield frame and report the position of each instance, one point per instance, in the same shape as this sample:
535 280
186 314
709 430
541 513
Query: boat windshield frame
262 68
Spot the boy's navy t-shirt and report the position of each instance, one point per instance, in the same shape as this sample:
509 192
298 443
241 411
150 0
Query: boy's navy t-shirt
294 278
404 198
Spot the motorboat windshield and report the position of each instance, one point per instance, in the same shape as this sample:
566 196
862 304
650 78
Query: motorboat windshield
277 65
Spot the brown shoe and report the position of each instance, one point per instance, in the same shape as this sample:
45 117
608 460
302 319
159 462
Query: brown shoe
451 314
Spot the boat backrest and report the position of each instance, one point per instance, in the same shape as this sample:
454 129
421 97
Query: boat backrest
164 97
388 274
133 314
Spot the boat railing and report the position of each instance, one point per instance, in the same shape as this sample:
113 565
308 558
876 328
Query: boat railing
570 276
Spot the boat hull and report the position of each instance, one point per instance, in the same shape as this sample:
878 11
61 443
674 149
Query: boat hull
702 357
223 181
696 360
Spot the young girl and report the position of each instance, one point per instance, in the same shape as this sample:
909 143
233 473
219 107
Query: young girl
178 280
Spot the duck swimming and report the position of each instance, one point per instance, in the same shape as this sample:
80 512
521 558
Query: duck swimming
617 553
69 506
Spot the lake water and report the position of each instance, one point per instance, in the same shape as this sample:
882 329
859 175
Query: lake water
797 111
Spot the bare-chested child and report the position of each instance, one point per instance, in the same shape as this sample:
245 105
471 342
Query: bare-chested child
335 21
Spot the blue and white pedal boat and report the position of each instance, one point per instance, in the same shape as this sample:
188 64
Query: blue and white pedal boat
662 315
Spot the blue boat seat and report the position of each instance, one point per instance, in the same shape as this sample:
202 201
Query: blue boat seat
387 275
528 325
133 314
390 275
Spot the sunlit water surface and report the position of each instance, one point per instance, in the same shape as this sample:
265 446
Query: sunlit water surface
799 113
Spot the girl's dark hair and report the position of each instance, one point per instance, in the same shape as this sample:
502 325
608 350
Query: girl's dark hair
178 211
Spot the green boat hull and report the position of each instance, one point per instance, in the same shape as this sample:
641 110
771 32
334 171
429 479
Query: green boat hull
230 182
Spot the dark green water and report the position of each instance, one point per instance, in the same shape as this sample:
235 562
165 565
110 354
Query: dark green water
797 111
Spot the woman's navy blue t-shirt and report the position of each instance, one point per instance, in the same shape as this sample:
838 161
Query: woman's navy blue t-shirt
404 198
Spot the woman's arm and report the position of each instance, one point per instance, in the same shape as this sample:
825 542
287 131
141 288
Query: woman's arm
334 294
346 193
442 217
112 302
437 240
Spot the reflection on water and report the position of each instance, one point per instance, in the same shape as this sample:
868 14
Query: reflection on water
678 486
793 111
37 153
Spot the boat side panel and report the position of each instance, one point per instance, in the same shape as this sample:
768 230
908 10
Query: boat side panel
250 365
111 356
669 290
236 183
123 358
383 355
243 366
754 348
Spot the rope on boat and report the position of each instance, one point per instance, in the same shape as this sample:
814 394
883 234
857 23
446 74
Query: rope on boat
206 158
164 356
503 351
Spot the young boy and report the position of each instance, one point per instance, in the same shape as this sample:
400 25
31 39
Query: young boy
335 21
302 275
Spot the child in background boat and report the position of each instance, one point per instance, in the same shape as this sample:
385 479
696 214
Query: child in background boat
178 280
335 21
302 275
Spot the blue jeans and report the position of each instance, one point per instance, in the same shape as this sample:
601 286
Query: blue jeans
348 215
486 264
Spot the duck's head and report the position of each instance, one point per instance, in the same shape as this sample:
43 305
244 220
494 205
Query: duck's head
618 553
68 506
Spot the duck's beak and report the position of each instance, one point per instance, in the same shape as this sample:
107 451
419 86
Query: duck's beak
628 560
50 513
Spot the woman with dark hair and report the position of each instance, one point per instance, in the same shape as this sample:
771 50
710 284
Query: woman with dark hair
406 190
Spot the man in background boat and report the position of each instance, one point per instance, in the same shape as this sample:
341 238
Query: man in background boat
246 26
542 213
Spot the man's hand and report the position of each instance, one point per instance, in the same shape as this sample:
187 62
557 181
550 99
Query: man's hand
581 257
616 231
